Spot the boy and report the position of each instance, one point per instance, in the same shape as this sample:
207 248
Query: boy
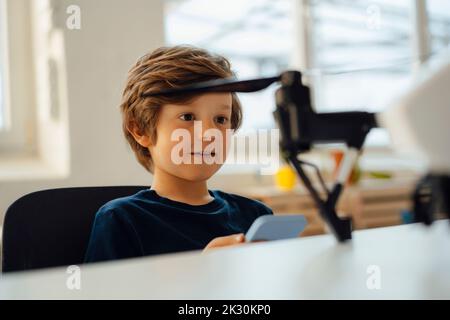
179 212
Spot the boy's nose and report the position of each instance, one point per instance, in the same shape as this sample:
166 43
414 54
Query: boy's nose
203 131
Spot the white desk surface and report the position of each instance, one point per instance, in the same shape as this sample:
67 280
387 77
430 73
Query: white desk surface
414 263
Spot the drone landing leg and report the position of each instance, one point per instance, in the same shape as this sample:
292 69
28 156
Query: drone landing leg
341 227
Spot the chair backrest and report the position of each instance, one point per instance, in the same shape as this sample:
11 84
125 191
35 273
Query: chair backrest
51 228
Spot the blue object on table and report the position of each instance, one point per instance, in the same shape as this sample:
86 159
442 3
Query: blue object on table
276 227
407 216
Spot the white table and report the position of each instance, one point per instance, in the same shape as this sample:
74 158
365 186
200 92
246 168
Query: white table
413 263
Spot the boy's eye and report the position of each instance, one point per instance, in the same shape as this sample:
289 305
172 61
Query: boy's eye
187 117
222 120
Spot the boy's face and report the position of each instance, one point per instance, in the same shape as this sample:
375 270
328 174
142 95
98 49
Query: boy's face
192 138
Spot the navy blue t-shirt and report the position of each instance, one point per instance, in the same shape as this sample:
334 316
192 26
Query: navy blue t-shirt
147 224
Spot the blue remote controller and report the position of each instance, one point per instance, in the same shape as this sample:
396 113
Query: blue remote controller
271 227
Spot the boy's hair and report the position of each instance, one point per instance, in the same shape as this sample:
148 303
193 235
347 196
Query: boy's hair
168 67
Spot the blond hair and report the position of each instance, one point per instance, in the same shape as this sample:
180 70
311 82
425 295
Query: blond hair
167 67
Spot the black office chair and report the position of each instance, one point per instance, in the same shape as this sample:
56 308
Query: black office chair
51 228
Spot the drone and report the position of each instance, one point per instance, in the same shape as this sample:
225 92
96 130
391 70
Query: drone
301 127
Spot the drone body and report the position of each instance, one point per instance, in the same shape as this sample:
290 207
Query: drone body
419 126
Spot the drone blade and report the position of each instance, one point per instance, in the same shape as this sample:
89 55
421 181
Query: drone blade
220 85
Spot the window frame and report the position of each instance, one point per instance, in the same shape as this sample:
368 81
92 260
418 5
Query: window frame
17 137
4 69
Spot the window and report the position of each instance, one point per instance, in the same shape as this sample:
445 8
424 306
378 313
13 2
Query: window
360 36
361 55
439 24
17 136
255 35
3 115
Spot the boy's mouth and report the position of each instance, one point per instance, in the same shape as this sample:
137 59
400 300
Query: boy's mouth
203 154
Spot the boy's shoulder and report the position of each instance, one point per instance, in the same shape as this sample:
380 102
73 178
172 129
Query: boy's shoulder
122 205
244 201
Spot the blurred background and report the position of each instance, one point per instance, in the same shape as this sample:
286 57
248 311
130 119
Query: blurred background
63 65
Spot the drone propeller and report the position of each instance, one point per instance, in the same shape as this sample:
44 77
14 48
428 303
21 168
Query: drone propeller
220 85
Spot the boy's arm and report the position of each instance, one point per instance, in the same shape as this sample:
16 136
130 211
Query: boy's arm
259 209
226 241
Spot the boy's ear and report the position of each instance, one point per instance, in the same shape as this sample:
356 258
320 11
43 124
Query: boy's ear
141 138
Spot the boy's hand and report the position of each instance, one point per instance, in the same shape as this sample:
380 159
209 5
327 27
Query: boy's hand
231 240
